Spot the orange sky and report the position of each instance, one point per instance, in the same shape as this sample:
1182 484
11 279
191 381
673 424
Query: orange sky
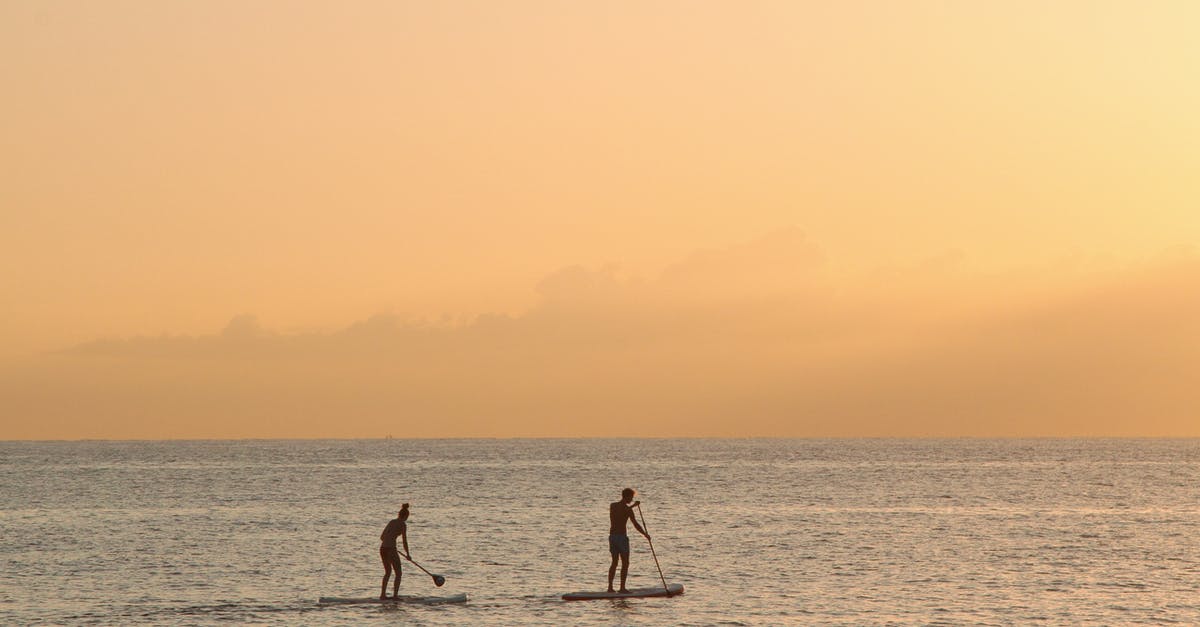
620 218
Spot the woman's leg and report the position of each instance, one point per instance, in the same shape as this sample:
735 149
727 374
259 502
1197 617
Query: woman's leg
387 571
399 572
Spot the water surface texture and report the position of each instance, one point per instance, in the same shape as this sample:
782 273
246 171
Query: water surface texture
760 531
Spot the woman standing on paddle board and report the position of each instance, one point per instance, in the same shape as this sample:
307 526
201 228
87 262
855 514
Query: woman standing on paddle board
397 527
618 538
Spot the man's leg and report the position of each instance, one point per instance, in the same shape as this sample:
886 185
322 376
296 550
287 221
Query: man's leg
612 571
624 571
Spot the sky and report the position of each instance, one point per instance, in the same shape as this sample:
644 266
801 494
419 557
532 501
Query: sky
543 219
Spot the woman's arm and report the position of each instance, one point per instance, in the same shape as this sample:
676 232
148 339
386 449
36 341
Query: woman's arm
404 537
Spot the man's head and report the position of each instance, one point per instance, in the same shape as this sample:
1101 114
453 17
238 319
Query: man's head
627 495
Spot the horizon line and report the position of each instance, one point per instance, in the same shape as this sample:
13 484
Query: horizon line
524 437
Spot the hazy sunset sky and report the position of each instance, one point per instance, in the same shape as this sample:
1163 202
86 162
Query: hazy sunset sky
354 219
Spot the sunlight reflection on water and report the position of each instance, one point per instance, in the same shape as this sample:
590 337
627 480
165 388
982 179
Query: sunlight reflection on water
760 531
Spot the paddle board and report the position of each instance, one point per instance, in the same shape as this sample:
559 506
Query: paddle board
634 593
457 598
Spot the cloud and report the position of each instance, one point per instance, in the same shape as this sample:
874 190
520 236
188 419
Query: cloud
782 261
243 328
756 339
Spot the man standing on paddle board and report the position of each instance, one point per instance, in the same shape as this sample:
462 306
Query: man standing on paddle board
397 527
618 540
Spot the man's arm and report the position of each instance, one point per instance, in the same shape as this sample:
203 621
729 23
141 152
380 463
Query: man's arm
633 519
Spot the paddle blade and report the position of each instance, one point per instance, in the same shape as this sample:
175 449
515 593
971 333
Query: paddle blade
438 580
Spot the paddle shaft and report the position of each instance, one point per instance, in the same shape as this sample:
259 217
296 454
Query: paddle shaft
420 566
656 564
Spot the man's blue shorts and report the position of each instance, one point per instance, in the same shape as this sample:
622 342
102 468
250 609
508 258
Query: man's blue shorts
618 544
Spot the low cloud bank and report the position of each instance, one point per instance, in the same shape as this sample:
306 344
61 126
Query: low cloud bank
760 339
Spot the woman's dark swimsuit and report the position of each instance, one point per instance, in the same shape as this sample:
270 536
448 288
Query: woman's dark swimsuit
387 551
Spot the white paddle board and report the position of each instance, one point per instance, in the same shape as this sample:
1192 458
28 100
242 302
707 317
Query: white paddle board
634 593
457 598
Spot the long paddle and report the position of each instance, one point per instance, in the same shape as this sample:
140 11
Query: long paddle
647 530
438 580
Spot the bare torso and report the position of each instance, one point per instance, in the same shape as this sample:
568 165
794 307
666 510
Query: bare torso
619 514
394 529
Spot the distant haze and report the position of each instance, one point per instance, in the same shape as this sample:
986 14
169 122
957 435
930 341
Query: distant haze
307 219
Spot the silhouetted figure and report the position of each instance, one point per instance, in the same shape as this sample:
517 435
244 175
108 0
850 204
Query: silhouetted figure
618 540
388 553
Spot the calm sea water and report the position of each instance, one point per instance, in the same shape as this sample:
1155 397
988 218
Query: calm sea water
760 531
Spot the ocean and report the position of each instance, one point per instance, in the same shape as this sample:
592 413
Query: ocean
760 531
